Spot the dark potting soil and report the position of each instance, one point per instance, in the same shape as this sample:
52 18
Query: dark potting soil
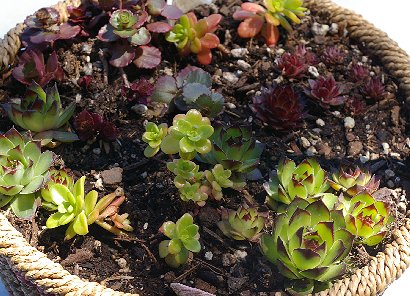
223 266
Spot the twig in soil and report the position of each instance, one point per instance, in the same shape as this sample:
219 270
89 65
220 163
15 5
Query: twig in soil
224 50
218 238
215 269
149 253
136 165
232 113
104 62
186 273
249 87
116 278
129 239
124 78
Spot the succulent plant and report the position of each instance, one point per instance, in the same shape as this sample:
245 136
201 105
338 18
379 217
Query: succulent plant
218 178
188 135
359 73
258 19
43 28
191 35
193 191
42 113
356 106
236 150
243 224
308 245
183 239
160 7
279 107
354 182
153 136
89 125
85 81
23 172
79 210
184 170
190 89
325 91
333 55
56 177
31 68
296 64
366 218
374 89
306 181
138 92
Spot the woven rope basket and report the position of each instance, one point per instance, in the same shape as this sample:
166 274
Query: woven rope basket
26 271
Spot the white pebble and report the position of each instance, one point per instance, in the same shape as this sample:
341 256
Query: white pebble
243 65
408 142
145 226
336 113
122 263
334 28
78 98
305 142
313 70
240 254
319 29
208 256
139 109
239 52
311 151
230 77
144 175
320 122
88 69
349 122
364 159
230 105
386 147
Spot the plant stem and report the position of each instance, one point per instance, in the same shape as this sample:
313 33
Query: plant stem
124 78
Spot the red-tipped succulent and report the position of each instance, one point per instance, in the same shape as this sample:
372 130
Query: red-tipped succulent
325 91
31 68
359 73
295 65
374 89
90 125
139 91
333 55
85 81
280 107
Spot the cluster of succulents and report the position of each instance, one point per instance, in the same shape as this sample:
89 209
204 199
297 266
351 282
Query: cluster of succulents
333 55
42 113
190 89
264 19
296 64
196 36
183 239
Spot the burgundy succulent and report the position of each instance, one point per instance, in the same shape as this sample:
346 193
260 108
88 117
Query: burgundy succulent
90 125
356 106
139 91
89 17
374 89
31 68
85 81
280 107
325 91
333 55
295 65
359 73
44 28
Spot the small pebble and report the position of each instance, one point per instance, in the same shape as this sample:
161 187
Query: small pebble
139 109
389 174
408 142
401 207
145 226
240 254
86 48
305 142
243 65
208 256
230 77
88 69
354 148
313 70
363 159
390 184
395 154
78 98
386 147
144 175
311 151
319 29
97 151
122 263
349 123
239 52
334 28
320 122
350 137
336 113
230 105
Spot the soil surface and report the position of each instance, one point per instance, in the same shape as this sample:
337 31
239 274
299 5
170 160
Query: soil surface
241 68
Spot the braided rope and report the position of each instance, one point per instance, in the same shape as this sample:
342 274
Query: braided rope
20 261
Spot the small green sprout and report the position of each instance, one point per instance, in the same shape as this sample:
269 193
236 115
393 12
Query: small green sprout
218 178
56 177
153 136
183 239
185 170
243 224
195 192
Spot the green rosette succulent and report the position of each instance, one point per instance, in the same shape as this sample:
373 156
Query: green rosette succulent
153 136
243 224
307 181
185 170
56 177
278 10
236 150
217 179
79 210
183 239
195 192
354 182
42 113
188 135
366 218
308 245
23 172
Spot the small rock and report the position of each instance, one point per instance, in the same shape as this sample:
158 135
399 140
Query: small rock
88 69
390 184
78 98
122 263
97 151
305 142
230 77
234 283
401 207
354 148
169 276
395 154
313 70
364 159
99 184
140 109
243 65
349 123
86 48
208 256
228 259
119 191
334 28
230 105
395 115
408 142
319 29
320 122
324 149
144 175
145 227
350 137
386 147
317 130
336 113
112 176
239 52
240 254
311 151
389 174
